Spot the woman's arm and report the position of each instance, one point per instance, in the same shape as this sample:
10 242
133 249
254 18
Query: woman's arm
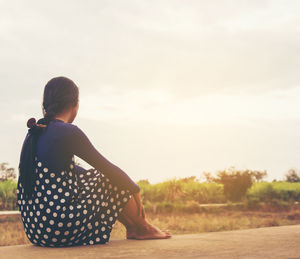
82 147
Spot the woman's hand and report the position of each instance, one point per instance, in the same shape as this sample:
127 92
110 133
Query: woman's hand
137 198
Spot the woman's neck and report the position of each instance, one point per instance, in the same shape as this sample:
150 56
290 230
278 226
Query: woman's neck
65 118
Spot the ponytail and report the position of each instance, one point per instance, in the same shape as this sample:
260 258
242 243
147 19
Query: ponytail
50 113
28 153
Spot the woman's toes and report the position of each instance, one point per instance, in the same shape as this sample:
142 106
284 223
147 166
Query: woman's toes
167 232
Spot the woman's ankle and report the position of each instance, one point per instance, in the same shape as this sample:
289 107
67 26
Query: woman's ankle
130 228
140 221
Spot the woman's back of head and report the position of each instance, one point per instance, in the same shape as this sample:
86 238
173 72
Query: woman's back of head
59 94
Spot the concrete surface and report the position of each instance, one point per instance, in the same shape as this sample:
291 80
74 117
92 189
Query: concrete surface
9 213
272 242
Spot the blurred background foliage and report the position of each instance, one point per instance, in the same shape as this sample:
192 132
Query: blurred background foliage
230 186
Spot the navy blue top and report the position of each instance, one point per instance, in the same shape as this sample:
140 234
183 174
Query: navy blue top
57 145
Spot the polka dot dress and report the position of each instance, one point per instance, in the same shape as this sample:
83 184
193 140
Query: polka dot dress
70 207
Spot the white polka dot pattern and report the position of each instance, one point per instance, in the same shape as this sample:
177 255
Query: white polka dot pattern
70 207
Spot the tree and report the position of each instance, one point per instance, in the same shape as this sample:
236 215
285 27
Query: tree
208 177
292 176
236 182
189 179
143 182
258 175
7 173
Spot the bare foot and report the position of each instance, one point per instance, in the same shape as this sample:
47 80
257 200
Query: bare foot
149 232
134 234
164 231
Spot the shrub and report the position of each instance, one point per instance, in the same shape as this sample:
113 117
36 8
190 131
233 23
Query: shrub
7 173
236 183
8 191
183 190
292 176
268 192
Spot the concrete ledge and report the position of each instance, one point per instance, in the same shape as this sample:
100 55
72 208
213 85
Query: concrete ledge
9 213
272 242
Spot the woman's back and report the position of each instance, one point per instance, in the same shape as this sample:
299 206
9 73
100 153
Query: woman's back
53 145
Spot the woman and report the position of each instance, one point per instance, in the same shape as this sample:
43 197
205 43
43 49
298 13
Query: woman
61 203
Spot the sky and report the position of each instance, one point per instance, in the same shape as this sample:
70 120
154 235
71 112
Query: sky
167 88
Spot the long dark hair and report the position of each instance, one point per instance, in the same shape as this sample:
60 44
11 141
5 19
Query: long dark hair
59 94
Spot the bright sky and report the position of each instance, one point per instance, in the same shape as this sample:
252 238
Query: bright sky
167 88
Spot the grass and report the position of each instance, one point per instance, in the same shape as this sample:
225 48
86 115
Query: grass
180 195
283 191
175 205
8 195
12 232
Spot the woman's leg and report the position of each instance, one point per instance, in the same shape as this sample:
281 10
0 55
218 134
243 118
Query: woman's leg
137 226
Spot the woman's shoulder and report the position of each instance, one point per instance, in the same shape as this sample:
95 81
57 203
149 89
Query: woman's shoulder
66 128
60 128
